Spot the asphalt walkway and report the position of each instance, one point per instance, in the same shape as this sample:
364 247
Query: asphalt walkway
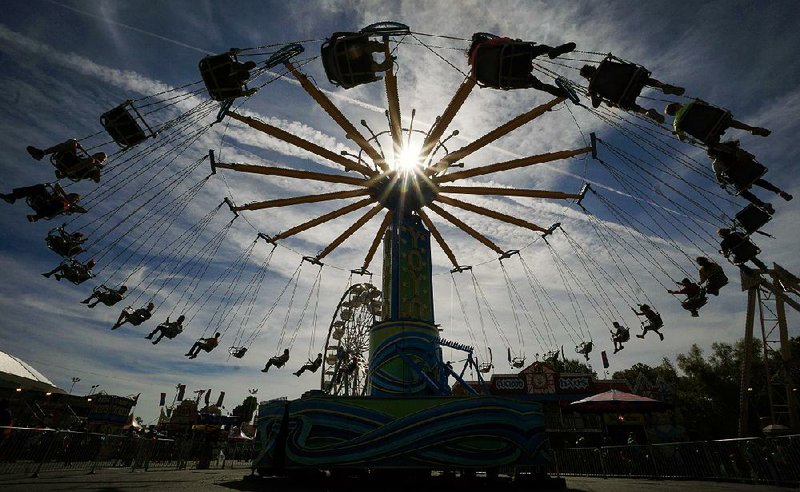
119 480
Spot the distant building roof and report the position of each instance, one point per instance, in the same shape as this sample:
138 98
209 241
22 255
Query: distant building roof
16 372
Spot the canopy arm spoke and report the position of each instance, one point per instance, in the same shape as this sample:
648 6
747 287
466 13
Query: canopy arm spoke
490 190
447 116
323 218
337 116
513 164
284 202
490 213
493 135
302 143
464 227
377 241
438 237
393 100
292 173
350 230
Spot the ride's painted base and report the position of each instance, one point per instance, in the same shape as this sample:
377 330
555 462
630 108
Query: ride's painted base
434 433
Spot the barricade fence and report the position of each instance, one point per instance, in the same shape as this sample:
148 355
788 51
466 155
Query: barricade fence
25 451
773 460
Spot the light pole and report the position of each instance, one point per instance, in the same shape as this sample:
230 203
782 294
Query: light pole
74 380
94 387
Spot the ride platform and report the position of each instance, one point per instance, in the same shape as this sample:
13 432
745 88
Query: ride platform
373 433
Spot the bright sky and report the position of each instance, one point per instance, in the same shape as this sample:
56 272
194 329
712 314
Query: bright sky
64 64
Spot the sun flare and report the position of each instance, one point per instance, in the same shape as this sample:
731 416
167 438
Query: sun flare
408 158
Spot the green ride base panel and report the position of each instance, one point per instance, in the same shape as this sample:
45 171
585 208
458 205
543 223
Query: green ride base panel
436 433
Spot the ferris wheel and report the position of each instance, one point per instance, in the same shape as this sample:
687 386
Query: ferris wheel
344 367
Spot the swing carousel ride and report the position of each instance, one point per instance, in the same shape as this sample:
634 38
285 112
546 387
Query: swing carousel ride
384 399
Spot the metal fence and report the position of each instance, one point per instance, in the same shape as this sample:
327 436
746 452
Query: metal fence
772 460
35 451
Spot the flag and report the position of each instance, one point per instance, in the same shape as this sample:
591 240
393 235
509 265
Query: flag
181 391
605 359
208 395
163 400
221 397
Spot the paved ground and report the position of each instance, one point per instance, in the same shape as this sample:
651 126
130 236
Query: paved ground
230 480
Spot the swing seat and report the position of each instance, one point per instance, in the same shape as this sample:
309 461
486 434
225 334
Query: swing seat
346 314
170 330
78 276
622 337
704 122
347 59
695 302
237 352
223 77
518 362
742 174
122 126
744 252
485 367
62 246
505 64
751 218
619 83
337 334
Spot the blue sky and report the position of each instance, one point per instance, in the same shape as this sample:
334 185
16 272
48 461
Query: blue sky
64 64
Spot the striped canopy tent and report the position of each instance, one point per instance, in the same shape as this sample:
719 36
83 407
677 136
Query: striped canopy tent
618 401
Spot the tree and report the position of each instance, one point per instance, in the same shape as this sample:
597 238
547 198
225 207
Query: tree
244 412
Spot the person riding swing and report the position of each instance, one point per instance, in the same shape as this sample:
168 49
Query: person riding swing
134 317
206 344
505 63
169 329
65 244
620 335
712 275
105 295
585 348
47 200
654 321
72 270
695 296
277 361
69 164
619 83
310 365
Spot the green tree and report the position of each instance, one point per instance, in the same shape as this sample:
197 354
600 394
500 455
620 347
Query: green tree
244 412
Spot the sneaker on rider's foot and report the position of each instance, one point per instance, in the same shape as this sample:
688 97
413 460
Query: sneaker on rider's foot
662 336
761 132
672 89
655 115
639 336
560 50
8 198
35 153
782 194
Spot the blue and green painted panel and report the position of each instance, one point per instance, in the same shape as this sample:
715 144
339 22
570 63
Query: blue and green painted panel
405 360
367 432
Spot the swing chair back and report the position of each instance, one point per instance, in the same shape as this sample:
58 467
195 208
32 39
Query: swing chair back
619 82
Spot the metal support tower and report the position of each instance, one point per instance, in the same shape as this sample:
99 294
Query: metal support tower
771 291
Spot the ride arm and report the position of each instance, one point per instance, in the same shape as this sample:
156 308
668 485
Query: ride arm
283 202
464 227
338 117
493 135
302 143
513 164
